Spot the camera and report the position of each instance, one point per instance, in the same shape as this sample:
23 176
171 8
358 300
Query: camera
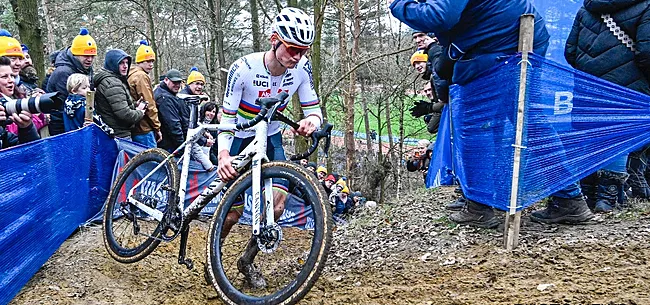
193 99
45 103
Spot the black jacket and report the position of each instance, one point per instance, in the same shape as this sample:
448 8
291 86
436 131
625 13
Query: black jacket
440 86
593 48
171 117
66 64
8 139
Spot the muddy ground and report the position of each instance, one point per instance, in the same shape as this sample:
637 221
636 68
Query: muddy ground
405 252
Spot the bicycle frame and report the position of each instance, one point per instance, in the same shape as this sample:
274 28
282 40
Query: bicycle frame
255 152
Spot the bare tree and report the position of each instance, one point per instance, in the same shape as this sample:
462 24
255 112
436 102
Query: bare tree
29 28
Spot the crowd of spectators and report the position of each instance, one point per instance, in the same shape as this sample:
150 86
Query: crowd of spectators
126 105
344 202
609 39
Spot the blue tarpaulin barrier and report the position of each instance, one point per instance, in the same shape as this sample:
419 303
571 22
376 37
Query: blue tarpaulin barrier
574 124
440 167
49 187
296 214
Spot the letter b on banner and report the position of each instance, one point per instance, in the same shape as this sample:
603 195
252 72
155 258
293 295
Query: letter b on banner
563 102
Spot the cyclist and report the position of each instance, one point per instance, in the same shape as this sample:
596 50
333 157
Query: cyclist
283 67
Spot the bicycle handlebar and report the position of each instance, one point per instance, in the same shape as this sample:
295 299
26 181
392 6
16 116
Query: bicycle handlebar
268 102
324 132
265 104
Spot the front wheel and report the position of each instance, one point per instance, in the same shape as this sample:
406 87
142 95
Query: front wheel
281 264
130 234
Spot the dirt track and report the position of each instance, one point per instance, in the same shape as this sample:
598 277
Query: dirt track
403 253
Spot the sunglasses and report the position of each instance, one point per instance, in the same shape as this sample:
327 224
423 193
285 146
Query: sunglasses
294 50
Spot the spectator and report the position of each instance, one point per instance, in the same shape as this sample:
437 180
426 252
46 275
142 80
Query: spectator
481 39
311 166
195 83
113 101
342 202
430 46
304 162
28 58
78 58
29 80
26 131
434 109
421 158
593 48
328 183
208 115
75 105
11 49
171 118
50 69
321 173
358 200
419 62
169 111
147 131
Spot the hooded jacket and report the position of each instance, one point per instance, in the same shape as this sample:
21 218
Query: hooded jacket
479 32
66 64
113 101
140 86
592 47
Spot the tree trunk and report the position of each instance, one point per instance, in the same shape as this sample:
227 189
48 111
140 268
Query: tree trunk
319 16
401 146
255 22
350 148
216 46
51 44
29 29
366 120
152 39
300 143
389 132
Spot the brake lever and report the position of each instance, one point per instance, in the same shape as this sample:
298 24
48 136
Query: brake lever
325 132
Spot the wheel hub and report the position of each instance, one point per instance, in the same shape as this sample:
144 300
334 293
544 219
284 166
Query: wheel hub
269 238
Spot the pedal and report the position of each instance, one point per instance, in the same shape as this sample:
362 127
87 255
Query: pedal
187 262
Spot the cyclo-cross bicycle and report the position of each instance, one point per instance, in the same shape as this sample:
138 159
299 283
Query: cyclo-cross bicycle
146 206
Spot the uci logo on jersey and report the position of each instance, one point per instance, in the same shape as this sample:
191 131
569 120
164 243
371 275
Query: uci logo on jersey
260 83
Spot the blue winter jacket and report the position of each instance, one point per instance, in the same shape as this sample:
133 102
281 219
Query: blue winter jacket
478 33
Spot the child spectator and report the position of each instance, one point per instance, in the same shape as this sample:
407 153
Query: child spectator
75 105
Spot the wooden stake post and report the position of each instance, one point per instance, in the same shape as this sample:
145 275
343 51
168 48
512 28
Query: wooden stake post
513 218
90 106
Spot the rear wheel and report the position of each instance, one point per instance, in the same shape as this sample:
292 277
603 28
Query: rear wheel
130 234
289 256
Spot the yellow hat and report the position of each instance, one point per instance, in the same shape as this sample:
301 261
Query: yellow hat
345 190
195 75
10 46
321 169
83 44
342 183
419 56
144 52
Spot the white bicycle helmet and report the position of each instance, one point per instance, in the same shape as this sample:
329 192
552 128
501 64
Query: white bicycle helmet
294 26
